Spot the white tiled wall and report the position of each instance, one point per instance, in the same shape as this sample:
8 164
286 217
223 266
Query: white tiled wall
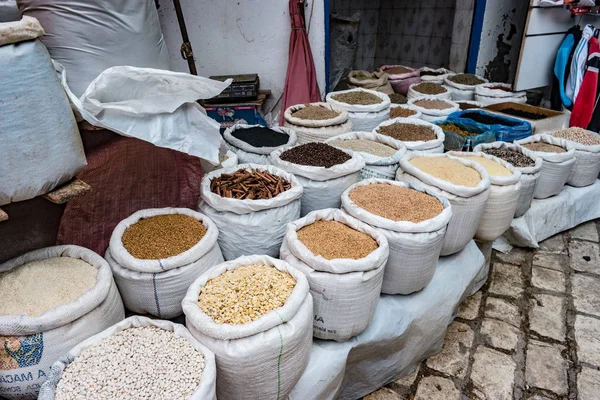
461 34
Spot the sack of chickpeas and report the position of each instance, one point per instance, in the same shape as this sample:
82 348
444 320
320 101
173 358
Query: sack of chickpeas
255 314
52 299
155 255
413 220
587 154
343 260
254 143
138 358
250 204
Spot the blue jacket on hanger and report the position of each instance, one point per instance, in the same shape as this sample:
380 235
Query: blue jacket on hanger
560 67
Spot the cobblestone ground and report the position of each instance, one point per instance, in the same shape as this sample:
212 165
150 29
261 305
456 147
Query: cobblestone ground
532 332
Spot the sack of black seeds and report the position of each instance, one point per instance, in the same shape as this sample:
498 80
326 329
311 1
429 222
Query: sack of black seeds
463 85
254 143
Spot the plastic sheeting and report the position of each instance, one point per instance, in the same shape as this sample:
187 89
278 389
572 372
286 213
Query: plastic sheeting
404 331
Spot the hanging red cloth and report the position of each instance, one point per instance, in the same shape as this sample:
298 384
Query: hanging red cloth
301 78
585 102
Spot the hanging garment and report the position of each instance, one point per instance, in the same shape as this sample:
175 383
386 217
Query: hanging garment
586 100
578 64
559 98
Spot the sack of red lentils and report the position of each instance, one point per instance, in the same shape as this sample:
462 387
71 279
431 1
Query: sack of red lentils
53 298
261 351
166 358
155 254
254 143
343 260
250 225
464 183
316 122
381 153
587 154
366 108
414 221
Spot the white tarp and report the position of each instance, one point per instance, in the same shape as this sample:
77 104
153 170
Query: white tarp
404 331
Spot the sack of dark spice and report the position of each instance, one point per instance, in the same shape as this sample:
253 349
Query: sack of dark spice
254 143
505 128
463 85
493 93
366 108
429 89
316 122
416 135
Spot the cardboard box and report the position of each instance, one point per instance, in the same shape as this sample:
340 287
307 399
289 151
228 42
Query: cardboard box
554 120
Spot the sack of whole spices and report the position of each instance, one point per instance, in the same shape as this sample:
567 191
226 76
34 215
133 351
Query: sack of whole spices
429 89
463 85
366 108
403 111
415 134
316 122
587 152
254 143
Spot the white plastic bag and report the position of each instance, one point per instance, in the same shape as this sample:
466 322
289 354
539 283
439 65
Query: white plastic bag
262 359
364 117
322 186
414 247
487 96
250 226
345 291
435 78
460 91
556 167
429 146
206 390
413 94
247 153
308 130
432 114
157 106
30 345
467 203
157 287
587 164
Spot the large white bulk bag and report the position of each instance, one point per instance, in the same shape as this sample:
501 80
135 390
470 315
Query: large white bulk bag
486 96
322 186
206 390
157 287
246 153
443 73
414 247
30 345
308 130
432 114
435 146
262 359
345 291
364 117
467 203
250 226
460 91
556 167
587 163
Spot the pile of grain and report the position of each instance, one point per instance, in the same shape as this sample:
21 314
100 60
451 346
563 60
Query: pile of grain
429 88
357 98
408 132
493 168
448 169
366 146
517 159
312 112
316 155
544 147
332 239
431 104
401 112
578 135
466 79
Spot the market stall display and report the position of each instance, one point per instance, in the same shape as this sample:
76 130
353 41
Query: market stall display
416 135
436 75
587 155
254 143
343 260
493 93
401 77
403 111
506 129
433 108
366 108
316 122
428 89
462 86
376 80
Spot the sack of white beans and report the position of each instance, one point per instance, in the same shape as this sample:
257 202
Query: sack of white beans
345 291
414 246
529 174
379 161
58 310
139 358
156 286
556 167
364 117
423 146
265 357
587 154
468 202
250 226
317 130
246 152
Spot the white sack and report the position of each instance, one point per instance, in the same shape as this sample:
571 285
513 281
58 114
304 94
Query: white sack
487 96
322 186
375 166
435 78
413 94
467 203
30 345
262 359
364 117
345 291
206 390
587 164
250 226
431 114
417 114
247 153
157 287
414 247
460 91
317 130
556 167
435 146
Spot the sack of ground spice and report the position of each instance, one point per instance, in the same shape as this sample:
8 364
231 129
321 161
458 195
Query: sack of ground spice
558 160
524 161
463 85
52 299
403 111
413 220
316 122
261 350
587 154
432 108
401 77
155 255
415 134
429 89
254 143
377 81
182 368
343 260
381 153
252 225
434 75
464 183
493 93
366 108
323 171
505 188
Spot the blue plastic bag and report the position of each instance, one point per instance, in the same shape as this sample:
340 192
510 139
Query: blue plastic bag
457 142
506 129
